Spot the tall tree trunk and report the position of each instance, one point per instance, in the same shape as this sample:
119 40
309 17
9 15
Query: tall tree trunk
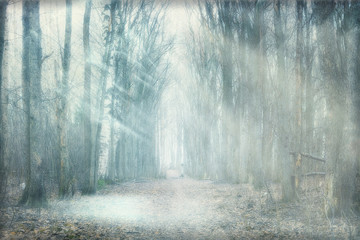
266 141
64 185
242 99
3 105
34 194
340 175
356 104
309 114
111 159
227 98
330 30
299 71
104 76
258 81
90 181
287 188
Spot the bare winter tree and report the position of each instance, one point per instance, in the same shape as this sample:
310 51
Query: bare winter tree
109 49
62 110
138 80
3 120
282 105
272 96
89 185
34 193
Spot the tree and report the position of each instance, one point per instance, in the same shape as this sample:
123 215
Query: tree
137 84
287 188
120 97
89 186
34 194
331 22
309 82
299 71
109 40
356 101
3 170
259 66
241 103
225 20
65 178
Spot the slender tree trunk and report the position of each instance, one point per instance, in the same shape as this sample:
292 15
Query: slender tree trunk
243 103
111 157
64 188
104 76
3 105
118 160
57 167
90 181
285 161
299 71
309 118
266 141
259 66
111 160
356 105
34 194
227 96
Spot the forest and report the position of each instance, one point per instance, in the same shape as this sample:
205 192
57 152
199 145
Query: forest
194 119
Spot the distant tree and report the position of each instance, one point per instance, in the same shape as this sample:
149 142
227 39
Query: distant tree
154 47
309 82
34 194
120 97
258 47
139 49
282 106
89 186
299 82
218 18
225 9
62 110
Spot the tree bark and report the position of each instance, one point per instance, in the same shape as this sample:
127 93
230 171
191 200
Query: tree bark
111 159
3 105
64 184
356 104
90 181
299 70
34 194
266 108
259 77
309 112
330 29
285 161
104 76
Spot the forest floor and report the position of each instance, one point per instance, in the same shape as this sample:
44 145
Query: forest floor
181 209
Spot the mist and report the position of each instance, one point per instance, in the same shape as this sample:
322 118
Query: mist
151 119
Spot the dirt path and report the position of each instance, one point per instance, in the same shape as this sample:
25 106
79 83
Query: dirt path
179 209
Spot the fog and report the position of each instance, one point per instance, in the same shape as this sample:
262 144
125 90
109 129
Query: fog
222 119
